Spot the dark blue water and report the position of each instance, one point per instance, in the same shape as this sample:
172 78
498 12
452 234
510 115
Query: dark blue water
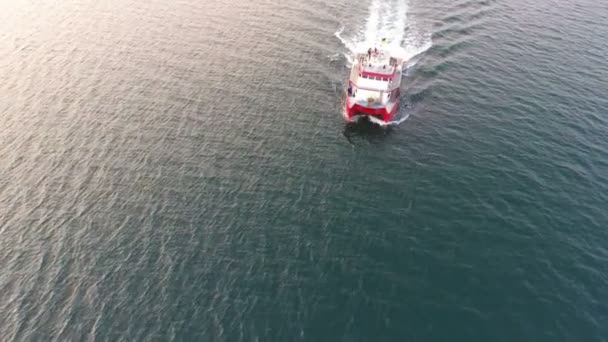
182 171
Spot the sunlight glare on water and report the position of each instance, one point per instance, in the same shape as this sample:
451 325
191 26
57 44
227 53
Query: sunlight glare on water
180 171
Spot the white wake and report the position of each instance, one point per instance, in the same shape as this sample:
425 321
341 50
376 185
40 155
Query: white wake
387 19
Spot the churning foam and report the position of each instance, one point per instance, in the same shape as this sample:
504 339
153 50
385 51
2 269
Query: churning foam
387 19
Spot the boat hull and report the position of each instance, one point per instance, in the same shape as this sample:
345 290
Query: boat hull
384 113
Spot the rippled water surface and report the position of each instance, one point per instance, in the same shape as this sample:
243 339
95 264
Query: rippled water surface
180 170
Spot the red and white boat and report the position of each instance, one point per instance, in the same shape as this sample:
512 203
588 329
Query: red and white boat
374 84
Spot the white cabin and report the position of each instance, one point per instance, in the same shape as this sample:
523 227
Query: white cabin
375 78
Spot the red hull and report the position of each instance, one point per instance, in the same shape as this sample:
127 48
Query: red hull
383 113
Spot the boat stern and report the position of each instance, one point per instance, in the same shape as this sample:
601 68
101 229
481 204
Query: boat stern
383 112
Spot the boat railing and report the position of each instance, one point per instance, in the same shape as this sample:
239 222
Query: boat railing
380 93
370 89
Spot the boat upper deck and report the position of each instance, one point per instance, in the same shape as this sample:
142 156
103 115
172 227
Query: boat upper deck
377 63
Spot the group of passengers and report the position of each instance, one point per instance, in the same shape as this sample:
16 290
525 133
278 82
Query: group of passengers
370 51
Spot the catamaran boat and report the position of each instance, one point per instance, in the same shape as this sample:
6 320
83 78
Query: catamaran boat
374 84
